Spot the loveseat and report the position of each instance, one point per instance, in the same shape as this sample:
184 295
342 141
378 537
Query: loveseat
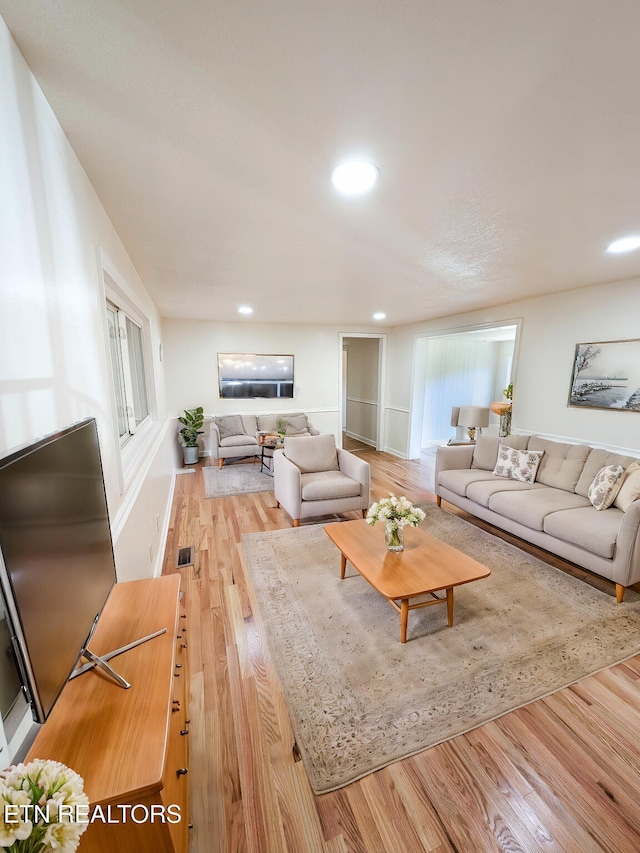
553 506
234 436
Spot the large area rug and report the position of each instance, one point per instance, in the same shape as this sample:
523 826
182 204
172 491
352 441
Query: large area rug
235 480
359 699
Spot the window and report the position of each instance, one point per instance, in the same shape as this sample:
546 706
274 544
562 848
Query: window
126 350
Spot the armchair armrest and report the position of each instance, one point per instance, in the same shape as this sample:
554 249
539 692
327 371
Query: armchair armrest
356 468
287 487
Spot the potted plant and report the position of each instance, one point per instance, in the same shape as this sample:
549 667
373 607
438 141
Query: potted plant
193 420
281 427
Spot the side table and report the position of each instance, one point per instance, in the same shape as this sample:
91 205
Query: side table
268 442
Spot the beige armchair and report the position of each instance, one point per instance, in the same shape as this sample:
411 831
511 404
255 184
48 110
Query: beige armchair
313 477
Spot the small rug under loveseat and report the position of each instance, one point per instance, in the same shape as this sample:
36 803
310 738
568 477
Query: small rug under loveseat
360 700
238 479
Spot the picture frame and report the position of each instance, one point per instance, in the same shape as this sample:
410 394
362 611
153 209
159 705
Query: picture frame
606 375
243 375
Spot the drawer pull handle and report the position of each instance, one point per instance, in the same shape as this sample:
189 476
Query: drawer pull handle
176 708
178 666
182 771
184 732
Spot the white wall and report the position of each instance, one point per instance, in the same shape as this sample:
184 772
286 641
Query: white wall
53 358
191 348
551 327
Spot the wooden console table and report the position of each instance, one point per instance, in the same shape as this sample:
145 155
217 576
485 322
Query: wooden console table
130 746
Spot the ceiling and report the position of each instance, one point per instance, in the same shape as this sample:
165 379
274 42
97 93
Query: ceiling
507 135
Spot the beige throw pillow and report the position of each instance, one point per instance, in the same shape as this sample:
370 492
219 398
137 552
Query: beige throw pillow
297 425
630 488
229 425
605 486
518 464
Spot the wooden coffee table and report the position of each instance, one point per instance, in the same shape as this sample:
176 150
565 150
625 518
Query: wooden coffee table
426 566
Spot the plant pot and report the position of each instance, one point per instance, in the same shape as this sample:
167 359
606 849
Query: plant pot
190 455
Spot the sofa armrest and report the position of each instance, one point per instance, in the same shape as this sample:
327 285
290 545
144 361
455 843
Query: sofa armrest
287 486
628 547
356 468
214 435
452 458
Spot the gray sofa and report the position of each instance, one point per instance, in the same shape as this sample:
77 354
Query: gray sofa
554 511
234 436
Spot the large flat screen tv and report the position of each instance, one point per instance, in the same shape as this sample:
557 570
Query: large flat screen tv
248 375
56 556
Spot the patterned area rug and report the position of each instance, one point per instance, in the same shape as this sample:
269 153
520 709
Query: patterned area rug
235 480
360 700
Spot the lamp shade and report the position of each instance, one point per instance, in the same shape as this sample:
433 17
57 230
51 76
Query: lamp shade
473 416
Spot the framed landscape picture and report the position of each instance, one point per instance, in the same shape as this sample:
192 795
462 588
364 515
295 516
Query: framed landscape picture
606 375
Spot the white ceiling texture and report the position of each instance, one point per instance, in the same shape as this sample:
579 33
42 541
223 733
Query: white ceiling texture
507 135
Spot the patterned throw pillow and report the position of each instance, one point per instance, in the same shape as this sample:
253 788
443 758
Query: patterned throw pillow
518 464
605 486
229 425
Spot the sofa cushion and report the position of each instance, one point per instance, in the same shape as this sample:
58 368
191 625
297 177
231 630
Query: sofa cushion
485 452
238 441
457 480
596 460
481 491
327 486
562 463
530 507
250 423
294 422
312 453
629 491
586 528
517 464
229 425
606 485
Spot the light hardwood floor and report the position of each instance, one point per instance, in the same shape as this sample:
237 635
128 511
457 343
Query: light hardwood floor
561 774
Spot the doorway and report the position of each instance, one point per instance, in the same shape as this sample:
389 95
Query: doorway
466 367
361 392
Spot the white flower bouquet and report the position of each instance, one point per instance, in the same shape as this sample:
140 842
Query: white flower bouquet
396 513
44 808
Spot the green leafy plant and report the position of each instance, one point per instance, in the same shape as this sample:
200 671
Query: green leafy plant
193 420
281 426
508 391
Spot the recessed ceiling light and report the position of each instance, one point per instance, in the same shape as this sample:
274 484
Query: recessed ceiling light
379 315
245 309
626 244
354 177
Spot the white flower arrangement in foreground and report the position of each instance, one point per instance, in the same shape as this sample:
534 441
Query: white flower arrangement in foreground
395 512
38 801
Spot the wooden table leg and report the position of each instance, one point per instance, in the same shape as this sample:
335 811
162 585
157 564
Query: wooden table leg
404 617
343 566
450 606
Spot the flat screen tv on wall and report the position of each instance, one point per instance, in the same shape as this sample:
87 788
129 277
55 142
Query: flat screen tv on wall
253 375
56 556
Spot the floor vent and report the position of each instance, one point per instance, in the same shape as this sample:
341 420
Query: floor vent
185 557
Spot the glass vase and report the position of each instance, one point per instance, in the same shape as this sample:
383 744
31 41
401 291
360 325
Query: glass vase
394 538
505 423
